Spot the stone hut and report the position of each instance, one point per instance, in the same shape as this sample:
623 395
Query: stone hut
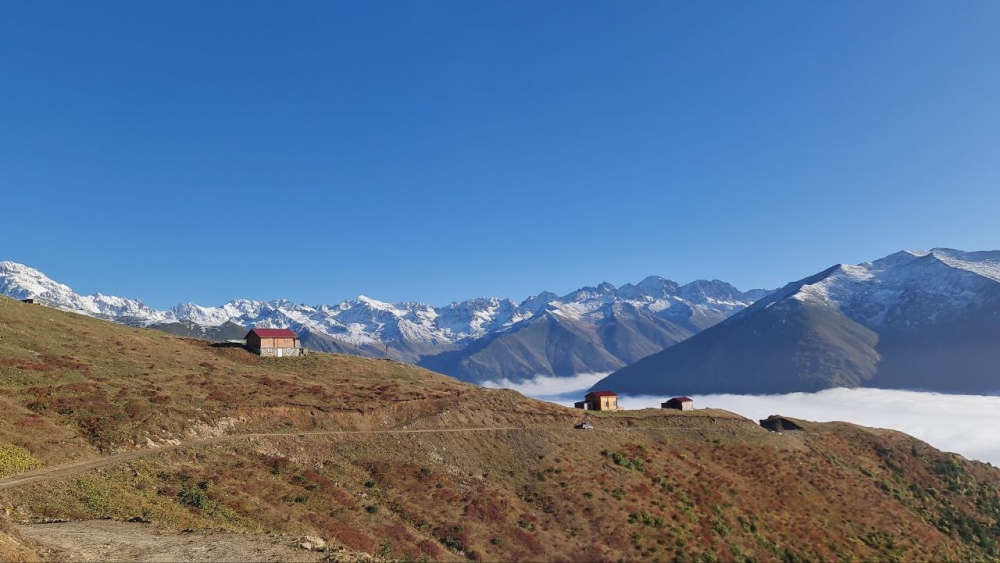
778 423
279 342
679 403
599 401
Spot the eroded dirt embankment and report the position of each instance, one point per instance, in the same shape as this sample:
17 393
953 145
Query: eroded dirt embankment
107 540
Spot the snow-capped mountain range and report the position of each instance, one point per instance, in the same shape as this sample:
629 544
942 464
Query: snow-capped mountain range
905 289
21 282
408 331
914 319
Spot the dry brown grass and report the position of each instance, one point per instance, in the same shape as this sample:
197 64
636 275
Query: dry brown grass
645 485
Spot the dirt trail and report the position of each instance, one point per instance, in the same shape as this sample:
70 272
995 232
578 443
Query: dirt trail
54 472
72 468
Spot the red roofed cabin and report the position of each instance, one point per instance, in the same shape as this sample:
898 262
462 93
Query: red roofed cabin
679 403
599 401
279 342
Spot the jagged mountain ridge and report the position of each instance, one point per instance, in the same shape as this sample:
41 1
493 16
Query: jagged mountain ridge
924 320
597 328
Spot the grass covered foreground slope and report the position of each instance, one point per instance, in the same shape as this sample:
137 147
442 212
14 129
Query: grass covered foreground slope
383 459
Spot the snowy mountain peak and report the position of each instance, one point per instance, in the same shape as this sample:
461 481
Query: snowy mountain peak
658 287
986 264
904 289
894 260
22 282
373 303
208 316
409 327
706 291
601 292
538 302
606 287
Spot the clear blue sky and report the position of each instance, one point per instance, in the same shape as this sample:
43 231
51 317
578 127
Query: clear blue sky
438 151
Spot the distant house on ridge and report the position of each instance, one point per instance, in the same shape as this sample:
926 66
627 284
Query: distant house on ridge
279 342
679 403
778 423
599 401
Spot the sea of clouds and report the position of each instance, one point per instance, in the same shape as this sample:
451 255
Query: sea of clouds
964 424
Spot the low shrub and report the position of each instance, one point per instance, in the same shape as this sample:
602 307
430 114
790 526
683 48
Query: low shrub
193 496
15 459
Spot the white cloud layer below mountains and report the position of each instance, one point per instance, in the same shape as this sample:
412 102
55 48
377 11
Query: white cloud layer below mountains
549 388
965 424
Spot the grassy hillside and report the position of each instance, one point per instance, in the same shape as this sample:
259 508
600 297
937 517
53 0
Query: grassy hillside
440 470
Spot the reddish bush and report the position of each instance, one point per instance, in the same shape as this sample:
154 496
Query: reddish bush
643 489
338 495
593 552
432 549
277 463
222 395
352 538
616 540
317 478
32 421
398 534
528 540
489 509
26 365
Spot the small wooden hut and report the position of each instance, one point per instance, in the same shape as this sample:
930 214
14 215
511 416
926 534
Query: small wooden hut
599 401
679 403
279 342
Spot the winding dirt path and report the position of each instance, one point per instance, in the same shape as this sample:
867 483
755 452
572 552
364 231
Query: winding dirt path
72 468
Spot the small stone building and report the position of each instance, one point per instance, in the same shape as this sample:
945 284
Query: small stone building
679 403
778 423
599 401
279 342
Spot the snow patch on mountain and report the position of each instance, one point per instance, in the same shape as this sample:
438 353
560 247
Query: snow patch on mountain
905 288
985 264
